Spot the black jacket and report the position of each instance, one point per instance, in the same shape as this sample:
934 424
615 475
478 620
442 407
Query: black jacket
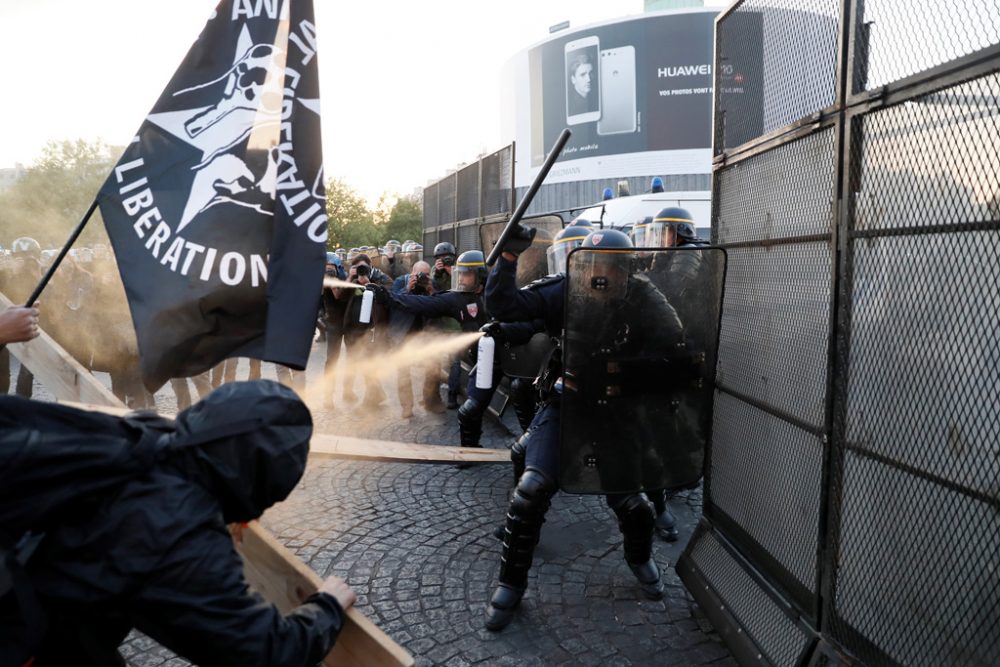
154 553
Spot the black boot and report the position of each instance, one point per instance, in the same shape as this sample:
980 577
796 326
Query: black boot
648 575
517 454
452 400
666 522
525 516
470 422
635 519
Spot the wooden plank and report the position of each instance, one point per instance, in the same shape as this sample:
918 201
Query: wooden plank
286 581
339 446
58 371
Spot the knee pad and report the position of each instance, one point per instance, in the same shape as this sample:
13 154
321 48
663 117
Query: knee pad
518 452
471 411
532 494
634 513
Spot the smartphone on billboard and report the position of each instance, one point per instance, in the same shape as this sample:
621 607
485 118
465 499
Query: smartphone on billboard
618 103
583 80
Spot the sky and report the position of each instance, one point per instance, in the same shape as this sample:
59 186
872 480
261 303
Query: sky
409 90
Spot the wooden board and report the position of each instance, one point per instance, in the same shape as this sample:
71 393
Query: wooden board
59 372
286 581
339 446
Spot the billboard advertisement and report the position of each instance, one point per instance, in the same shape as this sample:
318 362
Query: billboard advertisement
636 93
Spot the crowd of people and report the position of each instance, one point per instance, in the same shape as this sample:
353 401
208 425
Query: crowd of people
407 296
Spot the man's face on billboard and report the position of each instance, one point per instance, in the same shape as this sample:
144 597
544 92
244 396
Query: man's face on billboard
581 79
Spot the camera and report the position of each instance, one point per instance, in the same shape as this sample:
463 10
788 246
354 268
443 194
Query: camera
332 272
422 284
363 270
448 260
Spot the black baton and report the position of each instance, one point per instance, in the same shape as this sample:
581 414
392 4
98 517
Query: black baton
525 202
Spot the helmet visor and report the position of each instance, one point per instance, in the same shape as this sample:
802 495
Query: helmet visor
465 277
661 235
556 254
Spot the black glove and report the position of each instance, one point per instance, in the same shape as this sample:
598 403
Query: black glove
495 331
519 240
381 293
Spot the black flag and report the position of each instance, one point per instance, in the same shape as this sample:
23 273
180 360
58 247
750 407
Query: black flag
216 210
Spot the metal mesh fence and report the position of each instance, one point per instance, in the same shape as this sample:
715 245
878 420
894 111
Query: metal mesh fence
476 191
776 62
777 637
468 237
498 179
900 39
448 195
432 208
467 193
921 431
861 481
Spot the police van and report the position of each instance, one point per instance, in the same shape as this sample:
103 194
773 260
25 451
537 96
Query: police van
624 212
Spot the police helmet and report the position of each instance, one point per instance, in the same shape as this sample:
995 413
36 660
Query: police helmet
444 248
27 246
470 272
341 253
671 226
607 239
605 273
563 244
640 232
580 222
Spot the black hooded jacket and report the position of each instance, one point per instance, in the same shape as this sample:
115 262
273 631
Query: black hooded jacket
153 552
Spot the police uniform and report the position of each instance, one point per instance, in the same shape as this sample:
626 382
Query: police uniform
545 300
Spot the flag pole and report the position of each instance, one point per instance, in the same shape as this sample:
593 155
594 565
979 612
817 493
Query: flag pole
62 253
58 260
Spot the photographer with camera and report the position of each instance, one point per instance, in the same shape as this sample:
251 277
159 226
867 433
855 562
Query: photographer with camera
444 263
363 340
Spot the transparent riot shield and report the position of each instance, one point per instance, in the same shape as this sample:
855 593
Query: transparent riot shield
639 350
525 361
531 264
404 260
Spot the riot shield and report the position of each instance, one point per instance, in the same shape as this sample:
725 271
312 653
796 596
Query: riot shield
404 260
525 361
531 264
639 350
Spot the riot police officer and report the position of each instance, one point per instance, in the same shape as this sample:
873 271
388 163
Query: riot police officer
545 299
673 227
463 302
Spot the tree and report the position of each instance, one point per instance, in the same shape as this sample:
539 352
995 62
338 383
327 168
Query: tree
56 191
350 222
405 220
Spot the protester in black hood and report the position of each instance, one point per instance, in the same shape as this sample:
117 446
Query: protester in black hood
134 513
